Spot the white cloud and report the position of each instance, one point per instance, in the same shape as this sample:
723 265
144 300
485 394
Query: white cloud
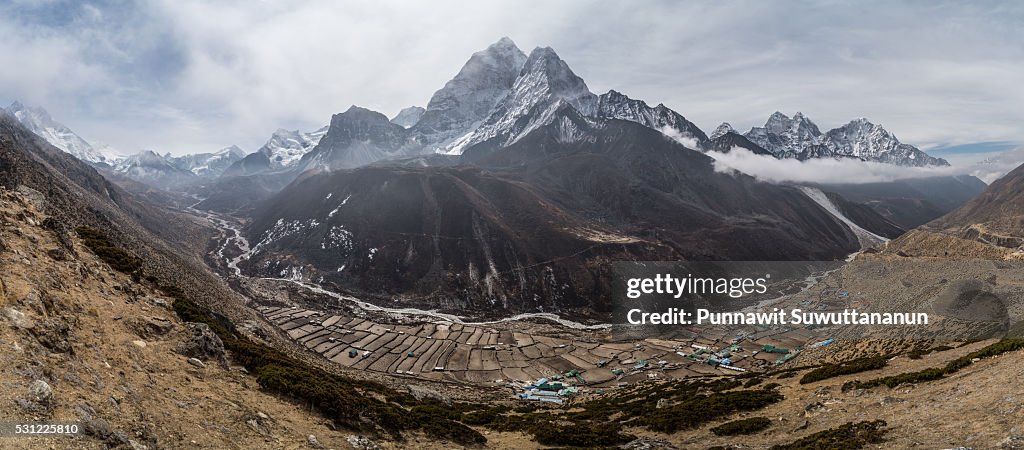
997 165
687 141
852 171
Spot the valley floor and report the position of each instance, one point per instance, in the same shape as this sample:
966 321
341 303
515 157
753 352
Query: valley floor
976 407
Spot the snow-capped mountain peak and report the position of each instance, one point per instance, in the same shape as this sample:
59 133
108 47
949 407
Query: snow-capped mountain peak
798 137
409 116
544 80
286 147
786 137
546 74
722 130
207 164
38 121
862 139
168 171
468 98
799 129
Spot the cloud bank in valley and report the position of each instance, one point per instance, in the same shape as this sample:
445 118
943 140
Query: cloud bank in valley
852 171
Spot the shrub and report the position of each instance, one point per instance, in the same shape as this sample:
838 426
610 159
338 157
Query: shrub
742 426
850 367
753 382
109 253
576 435
935 373
917 353
702 409
851 436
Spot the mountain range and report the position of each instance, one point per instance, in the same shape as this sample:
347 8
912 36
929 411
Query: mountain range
516 184
499 95
170 171
798 137
38 121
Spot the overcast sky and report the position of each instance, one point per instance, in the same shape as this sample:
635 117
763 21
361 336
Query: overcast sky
188 76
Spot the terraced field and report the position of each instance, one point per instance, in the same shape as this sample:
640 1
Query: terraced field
445 351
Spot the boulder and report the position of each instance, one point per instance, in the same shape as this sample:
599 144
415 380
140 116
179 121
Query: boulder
17 318
40 392
202 343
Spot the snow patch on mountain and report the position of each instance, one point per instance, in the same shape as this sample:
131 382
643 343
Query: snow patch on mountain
866 238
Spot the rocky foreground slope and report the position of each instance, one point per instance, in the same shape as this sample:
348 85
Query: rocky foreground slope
83 343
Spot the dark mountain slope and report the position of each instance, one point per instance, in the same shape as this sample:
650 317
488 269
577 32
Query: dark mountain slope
636 178
912 202
75 194
866 217
534 225
461 237
999 209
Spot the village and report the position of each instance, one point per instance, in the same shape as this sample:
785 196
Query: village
548 367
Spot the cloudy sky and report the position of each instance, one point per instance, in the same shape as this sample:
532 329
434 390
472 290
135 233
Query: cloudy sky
188 76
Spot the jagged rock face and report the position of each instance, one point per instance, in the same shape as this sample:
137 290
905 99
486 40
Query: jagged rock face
500 94
281 152
786 137
544 82
863 139
38 121
798 137
355 138
465 100
616 105
727 141
408 116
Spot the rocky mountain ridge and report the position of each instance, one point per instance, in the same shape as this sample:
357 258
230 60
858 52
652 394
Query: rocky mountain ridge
799 138
39 122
